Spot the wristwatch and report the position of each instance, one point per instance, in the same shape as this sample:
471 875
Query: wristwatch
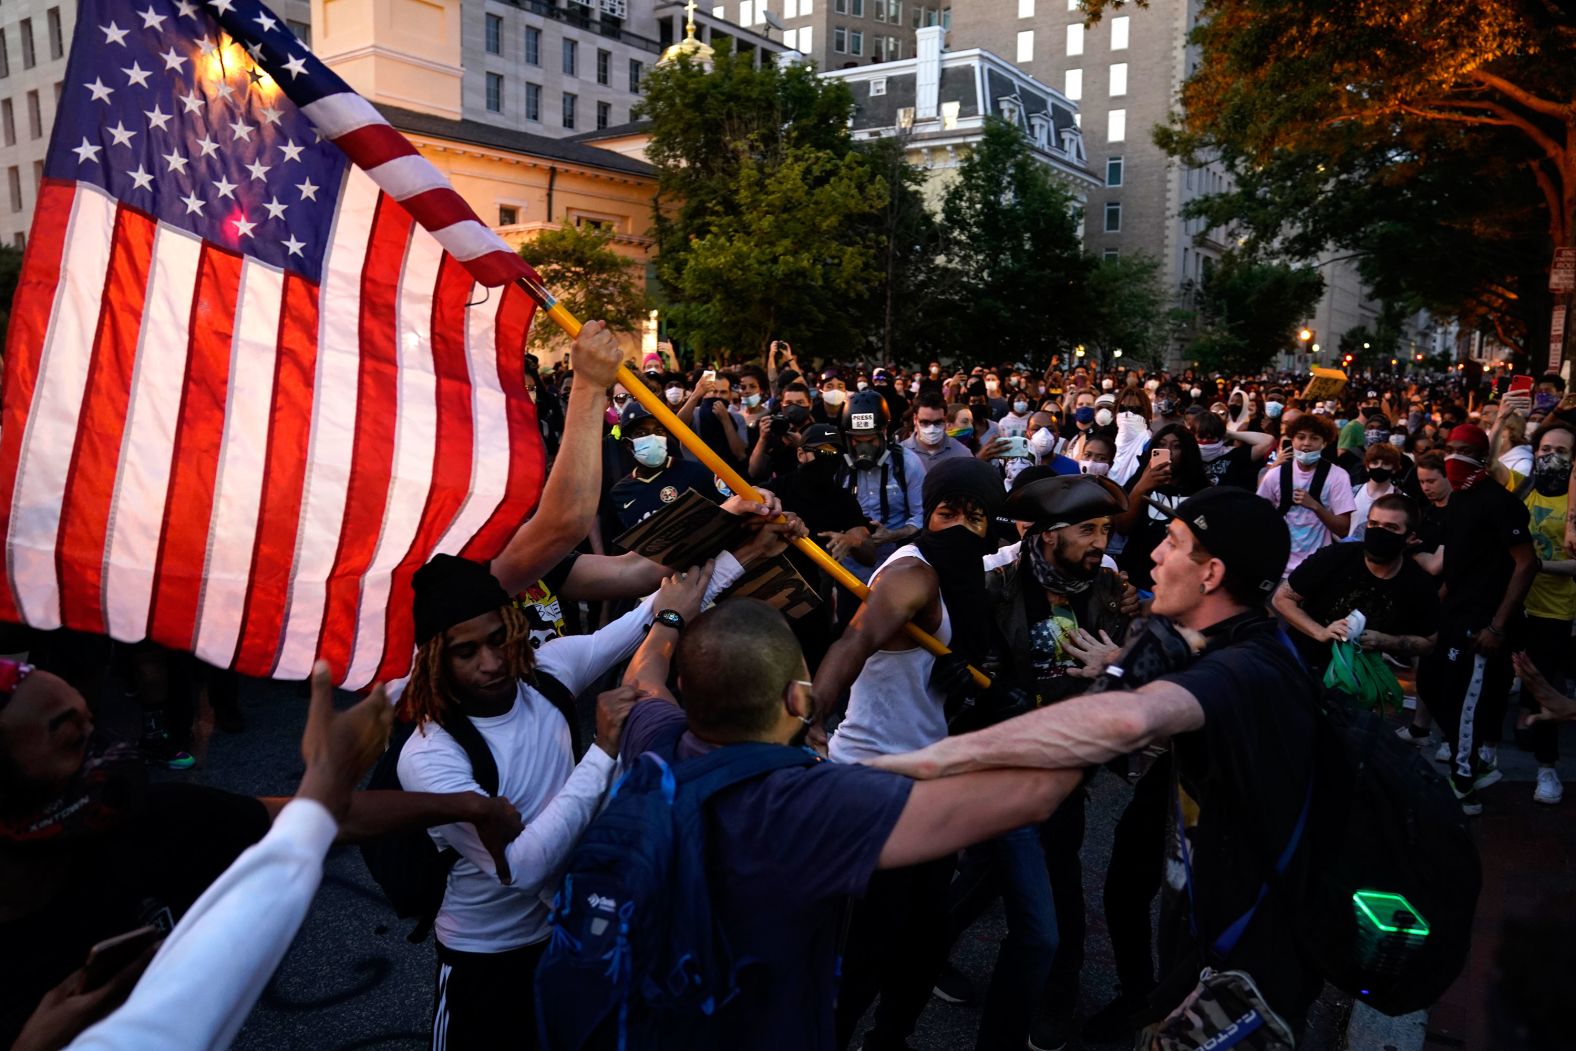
670 618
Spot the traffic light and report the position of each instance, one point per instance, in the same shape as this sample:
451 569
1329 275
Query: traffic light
1306 335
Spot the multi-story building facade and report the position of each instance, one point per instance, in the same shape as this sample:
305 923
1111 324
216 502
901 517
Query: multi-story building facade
838 34
1125 73
937 102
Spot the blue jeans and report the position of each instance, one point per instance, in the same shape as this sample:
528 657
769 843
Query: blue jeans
1014 864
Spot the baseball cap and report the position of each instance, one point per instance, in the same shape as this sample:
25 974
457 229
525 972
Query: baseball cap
821 436
1243 530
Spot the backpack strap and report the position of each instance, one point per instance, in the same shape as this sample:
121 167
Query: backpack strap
564 700
483 766
1285 487
1321 474
706 775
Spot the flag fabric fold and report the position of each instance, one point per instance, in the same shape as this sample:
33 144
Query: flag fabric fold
263 360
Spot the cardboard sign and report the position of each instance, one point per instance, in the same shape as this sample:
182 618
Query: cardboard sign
692 529
1324 383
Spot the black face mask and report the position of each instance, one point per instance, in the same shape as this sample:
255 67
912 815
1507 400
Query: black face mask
1551 474
955 554
1379 474
822 470
1381 545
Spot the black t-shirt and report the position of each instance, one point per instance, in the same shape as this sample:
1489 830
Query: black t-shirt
633 500
148 870
1247 770
1048 625
1482 524
1336 580
824 507
1234 467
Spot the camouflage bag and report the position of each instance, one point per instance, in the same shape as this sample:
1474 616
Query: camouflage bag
1225 1010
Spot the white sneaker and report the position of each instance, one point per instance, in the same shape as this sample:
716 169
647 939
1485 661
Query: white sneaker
1444 754
1549 789
1488 755
1404 732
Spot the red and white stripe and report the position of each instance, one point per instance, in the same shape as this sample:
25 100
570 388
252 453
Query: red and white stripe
228 459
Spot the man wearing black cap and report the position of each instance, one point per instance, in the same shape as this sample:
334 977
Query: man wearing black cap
898 941
476 679
659 477
886 478
1240 717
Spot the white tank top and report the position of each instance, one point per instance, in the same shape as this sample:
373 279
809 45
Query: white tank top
891 706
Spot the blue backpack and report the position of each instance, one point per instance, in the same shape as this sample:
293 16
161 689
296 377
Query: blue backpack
636 958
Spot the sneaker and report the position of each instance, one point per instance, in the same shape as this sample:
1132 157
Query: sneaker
1488 755
1047 1034
1486 774
954 987
1549 790
1413 735
1471 805
1444 754
158 751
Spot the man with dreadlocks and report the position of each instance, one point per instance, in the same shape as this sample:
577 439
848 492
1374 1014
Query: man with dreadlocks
897 942
479 688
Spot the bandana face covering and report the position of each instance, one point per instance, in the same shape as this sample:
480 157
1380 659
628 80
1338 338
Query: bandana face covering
1551 474
1462 470
1047 575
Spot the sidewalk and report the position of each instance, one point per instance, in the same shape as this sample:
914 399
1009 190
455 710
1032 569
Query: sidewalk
1529 874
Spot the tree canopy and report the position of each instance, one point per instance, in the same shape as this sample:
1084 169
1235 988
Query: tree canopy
1412 132
581 267
1248 312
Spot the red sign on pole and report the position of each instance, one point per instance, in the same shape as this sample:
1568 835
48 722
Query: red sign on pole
1562 275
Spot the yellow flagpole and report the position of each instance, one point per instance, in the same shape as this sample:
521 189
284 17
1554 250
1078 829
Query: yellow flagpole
722 469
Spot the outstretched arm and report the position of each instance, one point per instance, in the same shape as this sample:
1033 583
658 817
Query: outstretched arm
567 508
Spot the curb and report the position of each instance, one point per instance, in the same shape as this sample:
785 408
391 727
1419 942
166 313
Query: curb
1368 1030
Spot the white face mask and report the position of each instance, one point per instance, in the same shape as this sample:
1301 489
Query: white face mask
1308 457
862 385
1103 417
675 395
1195 392
931 433
1106 384
1042 441
993 386
651 450
751 400
834 397
1096 468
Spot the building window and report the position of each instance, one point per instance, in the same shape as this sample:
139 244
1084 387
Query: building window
1113 171
791 39
1112 254
1113 217
856 8
571 55
1025 8
807 7
635 70
1118 79
720 11
533 102
856 42
804 40
38 175
35 116
1072 84
494 93
494 35
569 109
840 40
5 57
604 67
604 114
57 40
29 59
790 8
1119 33
14 176
840 6
1026 45
8 121
508 215
1074 5
1075 39
746 13
302 31
533 46
1116 125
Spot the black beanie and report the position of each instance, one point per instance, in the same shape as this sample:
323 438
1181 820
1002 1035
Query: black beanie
451 590
963 476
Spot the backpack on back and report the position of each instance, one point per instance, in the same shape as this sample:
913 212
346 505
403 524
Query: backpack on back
636 958
408 866
1321 474
1395 875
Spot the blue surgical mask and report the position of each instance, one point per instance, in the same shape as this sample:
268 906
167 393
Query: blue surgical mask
751 400
651 450
1273 409
1084 414
1308 457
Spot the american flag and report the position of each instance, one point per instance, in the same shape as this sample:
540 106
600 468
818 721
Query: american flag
263 360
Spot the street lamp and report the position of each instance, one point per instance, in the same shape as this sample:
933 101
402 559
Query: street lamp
1079 350
1117 352
1314 348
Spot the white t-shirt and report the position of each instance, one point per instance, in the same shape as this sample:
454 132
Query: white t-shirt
1364 500
1518 458
1308 531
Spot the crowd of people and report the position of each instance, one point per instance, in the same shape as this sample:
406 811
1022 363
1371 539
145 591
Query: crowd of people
1044 527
